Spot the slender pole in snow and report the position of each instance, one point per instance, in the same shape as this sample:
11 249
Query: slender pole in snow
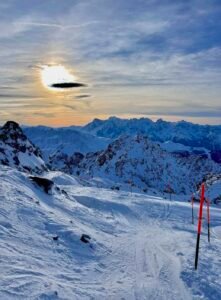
130 184
199 223
169 191
208 219
192 202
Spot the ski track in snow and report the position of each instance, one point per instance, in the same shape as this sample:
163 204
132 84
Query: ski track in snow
143 246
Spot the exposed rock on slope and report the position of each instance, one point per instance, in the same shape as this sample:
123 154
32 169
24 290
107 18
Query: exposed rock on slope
64 162
44 183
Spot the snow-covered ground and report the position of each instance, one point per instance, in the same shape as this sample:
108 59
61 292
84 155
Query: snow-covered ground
142 246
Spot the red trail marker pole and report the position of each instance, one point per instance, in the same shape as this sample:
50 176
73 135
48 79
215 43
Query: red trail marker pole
199 224
208 219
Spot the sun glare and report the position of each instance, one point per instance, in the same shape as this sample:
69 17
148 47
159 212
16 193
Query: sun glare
51 75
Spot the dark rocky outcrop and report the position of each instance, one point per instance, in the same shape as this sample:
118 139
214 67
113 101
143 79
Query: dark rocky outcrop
85 238
44 183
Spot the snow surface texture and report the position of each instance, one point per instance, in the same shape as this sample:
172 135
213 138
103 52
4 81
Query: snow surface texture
142 246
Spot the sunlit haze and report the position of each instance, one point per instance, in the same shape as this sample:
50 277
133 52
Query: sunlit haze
55 74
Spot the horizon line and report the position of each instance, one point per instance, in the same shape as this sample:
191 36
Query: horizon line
108 118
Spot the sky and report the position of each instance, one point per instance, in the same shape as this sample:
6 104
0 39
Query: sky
134 58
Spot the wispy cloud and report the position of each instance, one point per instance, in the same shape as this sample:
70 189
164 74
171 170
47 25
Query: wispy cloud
18 96
82 96
72 107
53 25
210 112
44 114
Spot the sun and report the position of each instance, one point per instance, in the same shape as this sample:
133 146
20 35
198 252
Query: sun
54 75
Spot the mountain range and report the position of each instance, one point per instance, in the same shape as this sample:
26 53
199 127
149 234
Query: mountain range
183 137
186 133
125 158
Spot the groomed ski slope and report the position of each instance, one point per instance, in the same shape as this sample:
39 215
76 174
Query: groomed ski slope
142 246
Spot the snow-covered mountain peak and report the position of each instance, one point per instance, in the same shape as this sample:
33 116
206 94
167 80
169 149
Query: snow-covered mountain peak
131 146
142 163
11 130
11 125
16 150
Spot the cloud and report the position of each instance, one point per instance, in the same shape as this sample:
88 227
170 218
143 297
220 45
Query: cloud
54 25
188 110
7 88
18 96
82 96
68 85
72 107
200 68
44 114
213 113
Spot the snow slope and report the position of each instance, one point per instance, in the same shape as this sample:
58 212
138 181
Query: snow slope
186 150
142 246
